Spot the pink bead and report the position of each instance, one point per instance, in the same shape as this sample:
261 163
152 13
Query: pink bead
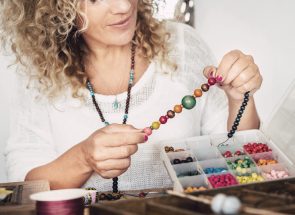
163 119
148 131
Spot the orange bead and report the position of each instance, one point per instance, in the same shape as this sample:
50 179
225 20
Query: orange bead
177 108
198 93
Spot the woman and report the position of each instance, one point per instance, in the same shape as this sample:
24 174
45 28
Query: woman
92 63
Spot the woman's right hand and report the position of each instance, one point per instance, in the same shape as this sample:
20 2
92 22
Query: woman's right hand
108 150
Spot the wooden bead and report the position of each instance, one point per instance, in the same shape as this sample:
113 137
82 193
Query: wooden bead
188 102
163 119
198 93
205 87
177 108
211 81
170 114
156 125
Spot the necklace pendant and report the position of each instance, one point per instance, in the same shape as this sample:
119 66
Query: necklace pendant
116 104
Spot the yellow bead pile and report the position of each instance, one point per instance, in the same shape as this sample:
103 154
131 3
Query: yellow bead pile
254 177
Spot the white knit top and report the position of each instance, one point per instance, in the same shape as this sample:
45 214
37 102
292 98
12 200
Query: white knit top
41 130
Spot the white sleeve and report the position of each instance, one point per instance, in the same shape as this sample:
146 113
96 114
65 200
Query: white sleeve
192 55
30 142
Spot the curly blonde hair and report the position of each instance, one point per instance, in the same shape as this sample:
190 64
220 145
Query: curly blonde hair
43 33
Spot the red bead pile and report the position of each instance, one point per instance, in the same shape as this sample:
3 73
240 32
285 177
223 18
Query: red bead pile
253 148
229 154
223 180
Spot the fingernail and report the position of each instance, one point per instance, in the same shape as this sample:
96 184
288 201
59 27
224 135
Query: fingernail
146 138
211 74
219 78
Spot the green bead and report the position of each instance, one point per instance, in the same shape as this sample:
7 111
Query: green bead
188 102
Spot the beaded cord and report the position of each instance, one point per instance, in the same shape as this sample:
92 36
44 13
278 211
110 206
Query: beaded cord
125 116
189 101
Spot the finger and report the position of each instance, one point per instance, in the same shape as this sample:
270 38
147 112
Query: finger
252 85
239 66
209 71
117 128
111 174
226 63
115 152
113 164
244 77
121 139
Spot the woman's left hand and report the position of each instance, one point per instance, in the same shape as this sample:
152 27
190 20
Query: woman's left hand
236 74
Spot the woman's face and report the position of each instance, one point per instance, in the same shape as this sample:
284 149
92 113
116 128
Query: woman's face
110 22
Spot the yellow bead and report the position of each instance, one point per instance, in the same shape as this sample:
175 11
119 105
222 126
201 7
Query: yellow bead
156 125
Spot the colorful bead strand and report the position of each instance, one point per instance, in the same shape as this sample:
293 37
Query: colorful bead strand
189 102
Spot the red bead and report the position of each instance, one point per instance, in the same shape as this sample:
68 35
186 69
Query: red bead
163 119
211 81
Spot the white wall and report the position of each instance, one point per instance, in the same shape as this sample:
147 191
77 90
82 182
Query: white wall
264 28
4 109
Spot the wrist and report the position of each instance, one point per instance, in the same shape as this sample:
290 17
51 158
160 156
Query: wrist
83 157
238 101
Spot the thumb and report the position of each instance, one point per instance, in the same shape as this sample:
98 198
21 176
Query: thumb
210 71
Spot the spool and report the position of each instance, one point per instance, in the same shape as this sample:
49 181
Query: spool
66 202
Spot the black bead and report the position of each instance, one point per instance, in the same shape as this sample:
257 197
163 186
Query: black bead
238 120
246 99
116 196
176 161
102 196
109 196
234 128
189 159
241 112
239 115
242 108
236 123
229 135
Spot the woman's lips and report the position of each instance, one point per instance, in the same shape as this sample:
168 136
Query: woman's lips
121 24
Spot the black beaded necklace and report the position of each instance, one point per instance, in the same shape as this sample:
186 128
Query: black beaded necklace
125 117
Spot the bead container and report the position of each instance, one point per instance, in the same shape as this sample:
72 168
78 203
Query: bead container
209 168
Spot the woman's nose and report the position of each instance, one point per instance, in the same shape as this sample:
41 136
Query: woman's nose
120 6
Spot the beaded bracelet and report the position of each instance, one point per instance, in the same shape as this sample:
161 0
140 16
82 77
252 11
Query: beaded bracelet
189 101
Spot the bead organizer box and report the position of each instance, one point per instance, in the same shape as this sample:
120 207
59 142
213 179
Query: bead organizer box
197 164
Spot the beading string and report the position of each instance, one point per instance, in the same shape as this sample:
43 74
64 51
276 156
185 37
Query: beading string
189 102
65 207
